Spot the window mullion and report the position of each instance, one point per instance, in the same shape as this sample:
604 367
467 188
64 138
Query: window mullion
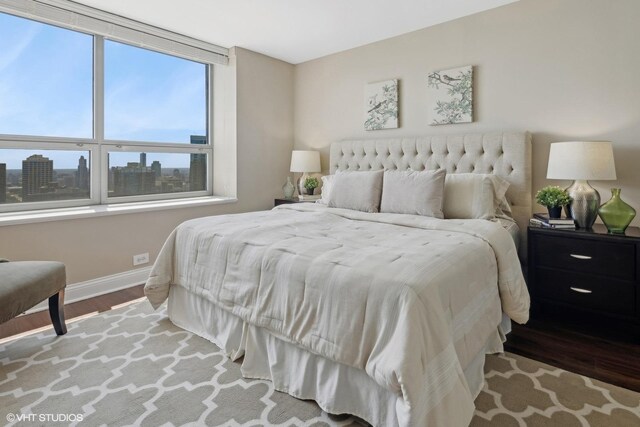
98 88
99 194
210 121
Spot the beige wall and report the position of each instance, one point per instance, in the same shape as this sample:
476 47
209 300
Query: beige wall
97 247
562 69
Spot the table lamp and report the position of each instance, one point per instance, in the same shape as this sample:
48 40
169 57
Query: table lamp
304 161
582 161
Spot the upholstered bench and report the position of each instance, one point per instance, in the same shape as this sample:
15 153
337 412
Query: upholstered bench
24 284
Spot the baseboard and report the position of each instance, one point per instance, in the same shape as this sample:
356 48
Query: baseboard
100 286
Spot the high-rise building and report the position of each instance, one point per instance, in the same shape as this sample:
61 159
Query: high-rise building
156 167
199 139
82 174
3 183
37 173
143 160
198 166
132 180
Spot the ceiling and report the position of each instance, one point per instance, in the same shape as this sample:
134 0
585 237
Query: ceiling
293 30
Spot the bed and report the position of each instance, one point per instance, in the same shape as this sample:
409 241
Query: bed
380 315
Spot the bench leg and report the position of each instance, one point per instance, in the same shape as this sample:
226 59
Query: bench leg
56 311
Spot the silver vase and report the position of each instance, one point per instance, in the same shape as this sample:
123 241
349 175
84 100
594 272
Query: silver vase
585 201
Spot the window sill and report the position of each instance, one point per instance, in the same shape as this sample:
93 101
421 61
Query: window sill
46 215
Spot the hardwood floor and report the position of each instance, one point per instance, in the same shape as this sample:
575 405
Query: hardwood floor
611 361
41 319
614 362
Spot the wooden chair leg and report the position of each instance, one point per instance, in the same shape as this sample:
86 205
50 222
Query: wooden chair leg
56 311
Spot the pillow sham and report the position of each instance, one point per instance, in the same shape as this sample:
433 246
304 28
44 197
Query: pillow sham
472 195
327 182
358 191
413 192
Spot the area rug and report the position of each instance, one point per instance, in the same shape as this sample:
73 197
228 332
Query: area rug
132 366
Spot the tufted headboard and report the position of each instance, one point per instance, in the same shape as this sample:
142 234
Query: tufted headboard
505 154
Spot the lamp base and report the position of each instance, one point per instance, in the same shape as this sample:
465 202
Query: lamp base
300 184
585 201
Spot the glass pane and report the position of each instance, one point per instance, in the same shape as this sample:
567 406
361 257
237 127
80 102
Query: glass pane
46 79
134 174
43 175
150 96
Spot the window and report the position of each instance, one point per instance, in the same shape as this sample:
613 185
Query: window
150 96
44 175
87 120
144 173
46 80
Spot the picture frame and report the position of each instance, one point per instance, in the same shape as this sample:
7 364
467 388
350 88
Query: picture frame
450 94
381 105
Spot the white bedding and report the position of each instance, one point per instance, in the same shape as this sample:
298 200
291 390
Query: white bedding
376 292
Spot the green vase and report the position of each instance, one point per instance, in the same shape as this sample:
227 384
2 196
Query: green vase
616 214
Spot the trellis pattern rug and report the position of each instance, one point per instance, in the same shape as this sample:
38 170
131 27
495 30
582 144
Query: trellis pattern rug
132 366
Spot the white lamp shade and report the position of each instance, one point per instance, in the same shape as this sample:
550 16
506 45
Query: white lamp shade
305 161
581 160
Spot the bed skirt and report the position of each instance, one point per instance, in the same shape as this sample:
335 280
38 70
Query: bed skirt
337 388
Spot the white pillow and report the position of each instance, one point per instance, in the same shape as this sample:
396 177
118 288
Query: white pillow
327 182
472 195
359 191
413 192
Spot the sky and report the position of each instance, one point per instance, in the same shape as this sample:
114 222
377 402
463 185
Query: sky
46 80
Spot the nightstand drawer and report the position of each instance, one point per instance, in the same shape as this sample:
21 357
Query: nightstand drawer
587 256
586 291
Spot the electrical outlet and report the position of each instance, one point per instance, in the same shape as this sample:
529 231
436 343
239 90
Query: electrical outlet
141 258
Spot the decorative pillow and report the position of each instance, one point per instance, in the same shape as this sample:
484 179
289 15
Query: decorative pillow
472 195
413 192
327 182
359 191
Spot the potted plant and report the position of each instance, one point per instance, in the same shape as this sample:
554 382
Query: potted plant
310 184
553 198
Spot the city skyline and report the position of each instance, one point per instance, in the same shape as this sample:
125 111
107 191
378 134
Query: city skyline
129 174
69 159
38 181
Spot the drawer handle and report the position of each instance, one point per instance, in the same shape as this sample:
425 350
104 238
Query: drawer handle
579 256
580 290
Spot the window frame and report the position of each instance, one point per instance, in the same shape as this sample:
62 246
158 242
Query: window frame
98 146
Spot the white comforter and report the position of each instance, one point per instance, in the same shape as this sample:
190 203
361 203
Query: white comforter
410 300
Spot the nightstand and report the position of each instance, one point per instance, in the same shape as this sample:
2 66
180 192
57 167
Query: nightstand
586 280
277 202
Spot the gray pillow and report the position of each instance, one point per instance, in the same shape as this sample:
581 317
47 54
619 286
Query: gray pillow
413 192
358 191
474 195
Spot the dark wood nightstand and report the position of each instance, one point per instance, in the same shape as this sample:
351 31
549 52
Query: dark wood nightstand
277 202
587 280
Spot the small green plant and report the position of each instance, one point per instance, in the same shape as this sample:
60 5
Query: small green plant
552 196
310 183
